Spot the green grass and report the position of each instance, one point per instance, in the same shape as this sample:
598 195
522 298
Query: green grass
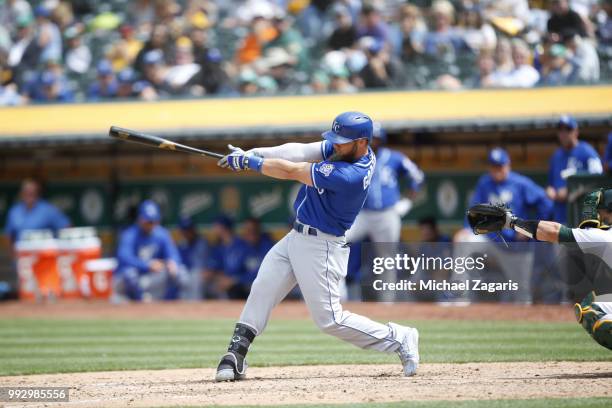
531 403
30 346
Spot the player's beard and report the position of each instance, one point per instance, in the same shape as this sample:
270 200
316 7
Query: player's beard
347 157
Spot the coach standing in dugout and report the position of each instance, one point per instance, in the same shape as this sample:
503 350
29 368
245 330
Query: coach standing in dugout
380 219
521 195
572 157
32 213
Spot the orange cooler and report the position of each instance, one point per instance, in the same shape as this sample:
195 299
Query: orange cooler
99 274
37 255
76 247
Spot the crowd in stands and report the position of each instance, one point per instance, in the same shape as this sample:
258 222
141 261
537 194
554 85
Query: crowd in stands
87 50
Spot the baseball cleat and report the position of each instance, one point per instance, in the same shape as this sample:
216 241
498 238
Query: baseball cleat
231 368
409 350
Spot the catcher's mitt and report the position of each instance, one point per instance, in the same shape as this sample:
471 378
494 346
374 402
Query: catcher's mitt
486 218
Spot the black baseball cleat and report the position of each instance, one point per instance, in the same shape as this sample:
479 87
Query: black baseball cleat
232 367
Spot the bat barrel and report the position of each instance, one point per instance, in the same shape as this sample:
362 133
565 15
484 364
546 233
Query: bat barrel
155 141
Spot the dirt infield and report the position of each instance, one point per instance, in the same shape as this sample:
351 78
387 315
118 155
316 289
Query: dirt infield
329 384
286 310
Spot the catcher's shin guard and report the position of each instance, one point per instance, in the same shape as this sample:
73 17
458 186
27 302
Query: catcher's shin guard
233 364
594 320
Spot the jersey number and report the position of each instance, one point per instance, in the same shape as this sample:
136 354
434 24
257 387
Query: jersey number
368 177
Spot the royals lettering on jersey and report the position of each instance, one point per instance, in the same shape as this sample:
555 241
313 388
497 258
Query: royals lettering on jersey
385 189
565 163
136 249
520 193
338 192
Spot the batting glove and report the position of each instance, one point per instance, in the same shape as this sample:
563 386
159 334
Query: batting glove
223 162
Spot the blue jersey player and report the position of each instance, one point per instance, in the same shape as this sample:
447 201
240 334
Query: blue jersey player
148 260
573 157
523 196
336 174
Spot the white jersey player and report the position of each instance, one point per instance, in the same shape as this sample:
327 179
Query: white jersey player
594 237
336 175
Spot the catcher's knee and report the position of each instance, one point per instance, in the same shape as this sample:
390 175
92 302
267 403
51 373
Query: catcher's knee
602 331
594 320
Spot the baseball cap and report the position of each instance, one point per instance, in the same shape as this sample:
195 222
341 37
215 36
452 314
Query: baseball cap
498 157
225 221
42 11
186 223
48 78
153 57
568 122
126 75
149 211
104 67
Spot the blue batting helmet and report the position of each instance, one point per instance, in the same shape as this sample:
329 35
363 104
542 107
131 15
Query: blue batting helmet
348 127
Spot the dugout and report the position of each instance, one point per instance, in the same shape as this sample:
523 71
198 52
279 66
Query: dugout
95 179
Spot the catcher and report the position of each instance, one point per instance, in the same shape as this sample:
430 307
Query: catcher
592 236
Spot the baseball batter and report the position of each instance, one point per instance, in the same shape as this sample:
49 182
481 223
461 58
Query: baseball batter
336 175
592 237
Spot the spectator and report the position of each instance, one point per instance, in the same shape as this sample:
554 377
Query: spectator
279 65
127 86
212 77
261 32
48 37
180 77
288 39
148 260
372 25
193 250
124 52
407 36
345 32
572 157
50 87
559 68
381 70
32 213
155 73
503 56
241 270
563 18
486 67
23 54
477 33
77 55
442 40
13 11
522 76
604 29
159 41
584 56
106 86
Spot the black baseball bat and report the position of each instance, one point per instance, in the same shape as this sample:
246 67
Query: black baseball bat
156 141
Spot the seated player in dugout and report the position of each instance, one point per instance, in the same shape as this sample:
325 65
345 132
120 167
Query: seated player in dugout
593 236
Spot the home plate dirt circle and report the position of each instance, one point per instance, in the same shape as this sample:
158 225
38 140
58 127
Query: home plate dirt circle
329 384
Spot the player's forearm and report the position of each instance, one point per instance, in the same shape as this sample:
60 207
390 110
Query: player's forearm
548 231
294 152
285 170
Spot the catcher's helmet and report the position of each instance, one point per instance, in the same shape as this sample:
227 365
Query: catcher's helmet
605 202
348 127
